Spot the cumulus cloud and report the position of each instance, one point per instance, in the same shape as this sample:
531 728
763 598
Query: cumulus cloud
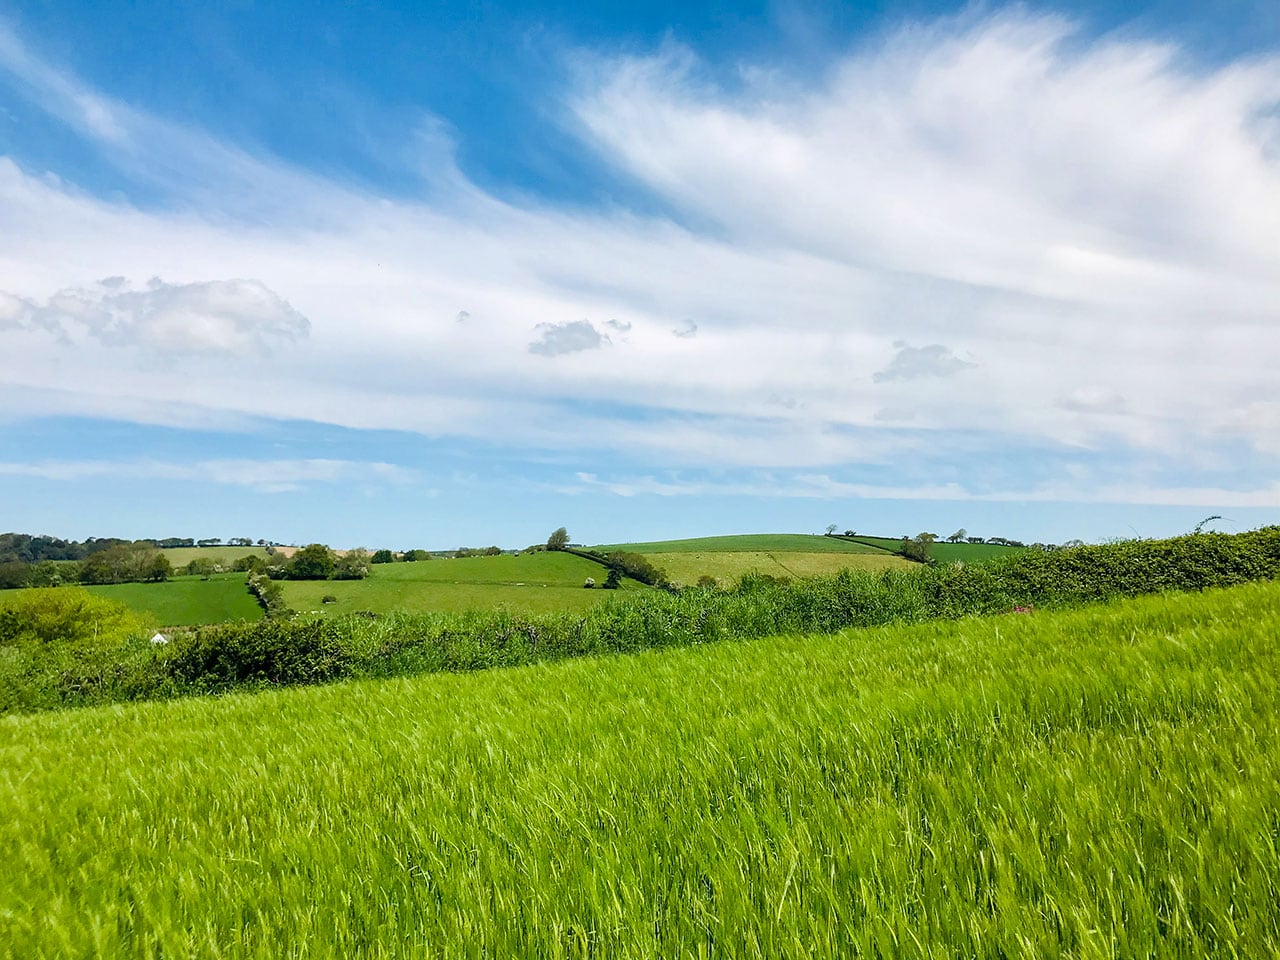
219 316
569 337
912 363
687 330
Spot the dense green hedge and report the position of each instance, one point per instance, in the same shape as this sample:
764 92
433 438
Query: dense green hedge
264 653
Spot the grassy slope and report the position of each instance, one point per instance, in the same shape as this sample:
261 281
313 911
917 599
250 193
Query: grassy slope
746 543
1102 782
535 583
185 601
726 567
946 552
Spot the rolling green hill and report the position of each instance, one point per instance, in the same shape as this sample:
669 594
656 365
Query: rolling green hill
534 582
187 601
941 551
745 543
1101 782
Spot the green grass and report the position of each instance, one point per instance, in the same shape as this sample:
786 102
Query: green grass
1099 783
945 552
534 583
185 601
745 543
686 567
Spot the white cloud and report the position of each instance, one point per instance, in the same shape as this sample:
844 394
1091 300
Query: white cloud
219 316
1092 219
912 363
568 337
271 476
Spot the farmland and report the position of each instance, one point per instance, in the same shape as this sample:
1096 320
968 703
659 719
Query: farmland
1101 781
181 601
725 559
536 582
941 550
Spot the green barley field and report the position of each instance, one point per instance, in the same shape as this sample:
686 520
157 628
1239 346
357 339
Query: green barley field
1097 783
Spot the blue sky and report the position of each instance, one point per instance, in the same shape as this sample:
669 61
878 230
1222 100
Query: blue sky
461 274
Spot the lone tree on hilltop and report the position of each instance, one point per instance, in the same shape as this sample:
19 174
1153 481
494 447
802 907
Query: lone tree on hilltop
831 529
558 540
958 535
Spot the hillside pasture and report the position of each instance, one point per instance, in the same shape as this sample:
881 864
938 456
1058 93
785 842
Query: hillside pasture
187 601
940 550
727 567
532 583
745 543
1101 782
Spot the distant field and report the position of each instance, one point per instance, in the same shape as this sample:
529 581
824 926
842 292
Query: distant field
535 583
181 556
746 543
946 552
187 601
726 567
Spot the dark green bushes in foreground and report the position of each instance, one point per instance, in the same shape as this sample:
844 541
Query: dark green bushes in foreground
229 656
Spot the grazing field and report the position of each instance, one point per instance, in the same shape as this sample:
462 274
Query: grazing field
187 601
745 543
1103 782
535 582
942 551
686 567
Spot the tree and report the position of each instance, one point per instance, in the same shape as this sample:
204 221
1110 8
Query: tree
558 540
353 566
383 556
313 562
958 535
918 549
831 529
14 574
614 580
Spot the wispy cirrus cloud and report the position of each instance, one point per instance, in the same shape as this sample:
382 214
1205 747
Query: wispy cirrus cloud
1090 220
269 476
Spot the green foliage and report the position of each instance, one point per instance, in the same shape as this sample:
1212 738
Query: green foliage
614 579
413 556
383 556
269 594
14 575
558 540
354 565
61 645
313 562
126 563
1097 783
759 606
918 549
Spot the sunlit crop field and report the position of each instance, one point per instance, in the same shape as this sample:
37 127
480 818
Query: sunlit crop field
1103 782
726 567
